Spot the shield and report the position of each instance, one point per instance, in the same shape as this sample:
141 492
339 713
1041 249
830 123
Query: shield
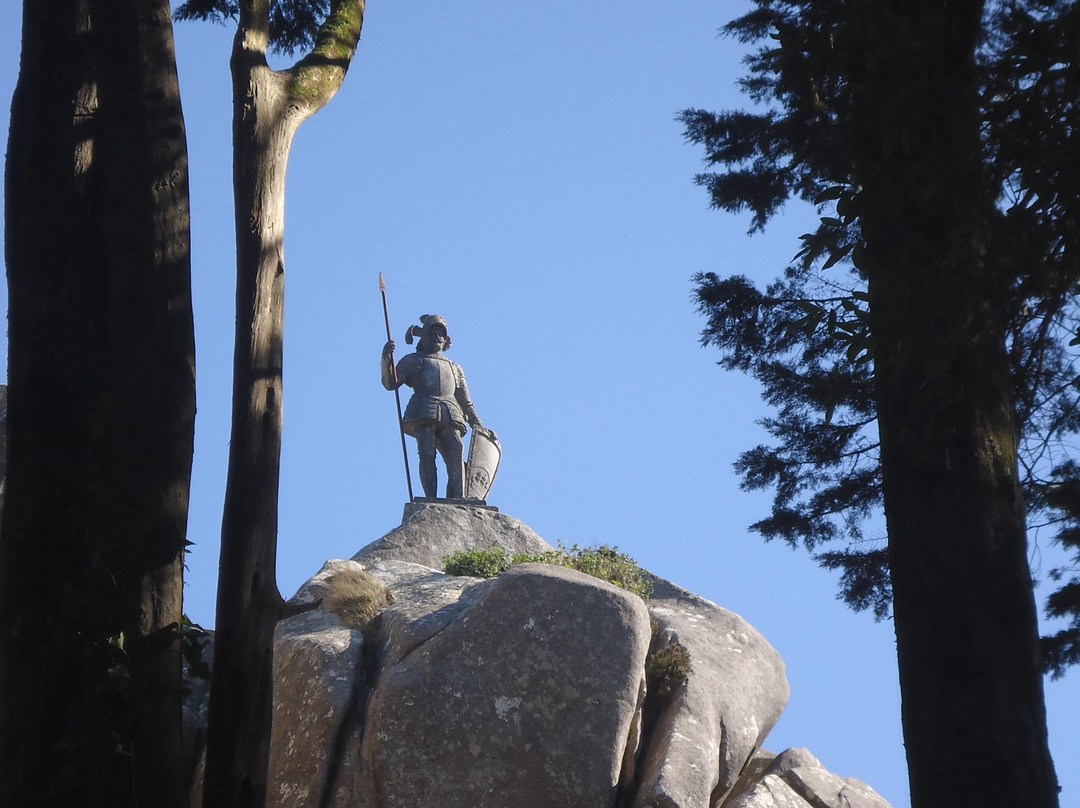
483 462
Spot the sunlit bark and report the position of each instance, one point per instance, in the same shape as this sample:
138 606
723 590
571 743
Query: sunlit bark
268 107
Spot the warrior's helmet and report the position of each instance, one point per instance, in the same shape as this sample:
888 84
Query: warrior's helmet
428 322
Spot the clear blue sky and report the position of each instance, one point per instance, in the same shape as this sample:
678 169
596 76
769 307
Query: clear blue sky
517 168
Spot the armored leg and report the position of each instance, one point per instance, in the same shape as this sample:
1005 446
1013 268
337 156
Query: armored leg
425 446
450 447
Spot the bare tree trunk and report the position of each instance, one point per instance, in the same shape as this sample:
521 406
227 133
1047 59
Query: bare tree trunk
964 610
101 411
268 107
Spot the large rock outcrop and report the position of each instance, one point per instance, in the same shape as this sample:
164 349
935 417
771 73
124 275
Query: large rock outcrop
429 533
318 670
732 698
527 690
796 779
532 691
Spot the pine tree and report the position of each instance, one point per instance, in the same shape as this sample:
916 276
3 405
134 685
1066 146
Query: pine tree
101 408
917 350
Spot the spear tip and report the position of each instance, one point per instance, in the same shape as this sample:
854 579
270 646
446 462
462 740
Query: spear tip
382 284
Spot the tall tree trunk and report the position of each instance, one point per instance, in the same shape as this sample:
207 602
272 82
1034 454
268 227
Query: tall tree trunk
268 107
101 411
965 620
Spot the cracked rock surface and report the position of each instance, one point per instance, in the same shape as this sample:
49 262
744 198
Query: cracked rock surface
526 690
526 698
732 698
796 779
316 661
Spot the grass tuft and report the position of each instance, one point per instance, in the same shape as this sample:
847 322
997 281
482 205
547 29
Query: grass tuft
605 563
356 597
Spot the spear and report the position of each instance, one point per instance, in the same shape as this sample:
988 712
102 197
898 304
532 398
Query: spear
397 396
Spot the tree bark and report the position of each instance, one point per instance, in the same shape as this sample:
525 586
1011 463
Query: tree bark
100 413
268 107
964 611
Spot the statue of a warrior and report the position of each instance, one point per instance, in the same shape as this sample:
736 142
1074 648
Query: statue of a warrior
440 407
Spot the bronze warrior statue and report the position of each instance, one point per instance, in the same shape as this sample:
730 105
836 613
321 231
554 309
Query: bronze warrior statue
440 406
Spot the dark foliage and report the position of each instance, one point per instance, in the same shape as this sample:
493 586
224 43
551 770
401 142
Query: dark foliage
805 337
293 23
1062 649
666 671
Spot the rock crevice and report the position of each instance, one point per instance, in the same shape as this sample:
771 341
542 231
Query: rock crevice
528 689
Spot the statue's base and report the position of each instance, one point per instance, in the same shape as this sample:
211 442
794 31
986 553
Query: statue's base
461 502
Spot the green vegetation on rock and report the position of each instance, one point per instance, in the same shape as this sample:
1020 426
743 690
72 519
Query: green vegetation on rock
605 563
488 563
666 670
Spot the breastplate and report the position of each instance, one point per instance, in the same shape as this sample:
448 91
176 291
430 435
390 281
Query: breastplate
436 378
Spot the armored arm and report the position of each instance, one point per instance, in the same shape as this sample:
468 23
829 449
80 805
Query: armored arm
390 379
461 393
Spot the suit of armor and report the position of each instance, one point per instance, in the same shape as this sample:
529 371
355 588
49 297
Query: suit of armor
440 407
440 397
